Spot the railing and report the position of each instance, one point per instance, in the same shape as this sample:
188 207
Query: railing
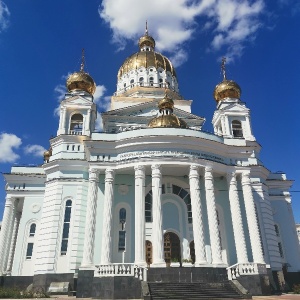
238 270
74 132
130 270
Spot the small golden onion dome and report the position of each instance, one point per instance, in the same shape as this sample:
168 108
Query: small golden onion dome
167 121
146 40
47 154
166 102
81 81
227 89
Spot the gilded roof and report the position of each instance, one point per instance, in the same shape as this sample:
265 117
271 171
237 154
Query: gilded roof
146 59
227 89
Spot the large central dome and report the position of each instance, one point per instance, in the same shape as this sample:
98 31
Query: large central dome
146 69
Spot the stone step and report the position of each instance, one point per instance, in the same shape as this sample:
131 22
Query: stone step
186 291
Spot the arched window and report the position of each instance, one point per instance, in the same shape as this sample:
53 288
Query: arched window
32 229
160 82
122 232
132 82
66 228
237 130
141 80
76 124
185 196
151 81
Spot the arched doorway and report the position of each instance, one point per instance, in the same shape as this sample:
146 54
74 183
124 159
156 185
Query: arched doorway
172 249
148 253
192 251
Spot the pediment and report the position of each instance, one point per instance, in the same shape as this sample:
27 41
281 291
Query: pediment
234 107
78 100
146 110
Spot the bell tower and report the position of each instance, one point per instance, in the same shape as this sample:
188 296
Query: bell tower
231 118
78 111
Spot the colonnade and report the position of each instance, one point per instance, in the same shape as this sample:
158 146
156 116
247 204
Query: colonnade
157 229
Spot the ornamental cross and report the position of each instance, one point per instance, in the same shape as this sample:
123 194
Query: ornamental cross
82 60
223 67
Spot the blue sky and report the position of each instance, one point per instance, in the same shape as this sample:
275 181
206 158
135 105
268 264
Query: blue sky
41 42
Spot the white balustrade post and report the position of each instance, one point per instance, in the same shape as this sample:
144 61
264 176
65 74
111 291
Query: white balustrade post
215 242
107 217
200 256
5 232
157 230
237 222
90 222
252 220
140 215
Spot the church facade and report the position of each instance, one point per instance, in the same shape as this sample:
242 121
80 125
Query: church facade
151 191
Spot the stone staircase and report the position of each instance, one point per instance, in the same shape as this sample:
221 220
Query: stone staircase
176 290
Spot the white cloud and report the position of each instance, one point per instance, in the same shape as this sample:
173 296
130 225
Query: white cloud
172 23
60 91
4 16
8 143
100 91
35 150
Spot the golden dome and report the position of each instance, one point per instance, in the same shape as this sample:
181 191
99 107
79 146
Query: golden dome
167 121
227 89
146 59
81 81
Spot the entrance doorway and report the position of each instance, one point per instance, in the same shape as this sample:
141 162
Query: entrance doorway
192 251
172 249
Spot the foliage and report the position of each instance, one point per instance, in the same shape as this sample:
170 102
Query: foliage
296 288
18 294
187 260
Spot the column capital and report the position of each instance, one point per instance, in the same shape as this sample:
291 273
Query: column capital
231 177
109 174
246 178
194 171
156 170
9 200
139 169
94 174
208 172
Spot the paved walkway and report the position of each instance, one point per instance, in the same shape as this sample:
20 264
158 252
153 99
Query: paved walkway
279 297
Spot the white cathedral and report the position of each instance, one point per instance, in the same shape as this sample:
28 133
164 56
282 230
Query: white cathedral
152 194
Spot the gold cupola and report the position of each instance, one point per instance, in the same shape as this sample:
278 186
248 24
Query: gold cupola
81 81
167 118
226 88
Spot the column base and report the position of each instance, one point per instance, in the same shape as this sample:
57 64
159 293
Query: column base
87 267
160 264
202 264
140 263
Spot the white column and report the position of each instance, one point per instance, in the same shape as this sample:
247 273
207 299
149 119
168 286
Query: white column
237 222
16 222
87 127
200 256
157 230
64 129
4 233
107 217
90 223
140 215
252 220
212 217
224 129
